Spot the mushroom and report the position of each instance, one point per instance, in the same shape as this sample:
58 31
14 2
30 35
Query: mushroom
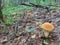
47 28
14 13
29 13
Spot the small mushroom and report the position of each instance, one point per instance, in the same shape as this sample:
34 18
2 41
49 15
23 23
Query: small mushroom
14 13
28 14
47 28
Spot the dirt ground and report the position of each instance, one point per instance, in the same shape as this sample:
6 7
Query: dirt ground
25 29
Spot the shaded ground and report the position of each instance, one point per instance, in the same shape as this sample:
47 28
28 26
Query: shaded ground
26 25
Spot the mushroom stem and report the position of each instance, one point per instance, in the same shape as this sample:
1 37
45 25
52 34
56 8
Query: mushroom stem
46 33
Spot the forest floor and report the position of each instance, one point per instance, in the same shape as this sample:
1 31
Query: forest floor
25 29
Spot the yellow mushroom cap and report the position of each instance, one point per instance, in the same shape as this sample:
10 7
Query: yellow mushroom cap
14 13
47 26
29 13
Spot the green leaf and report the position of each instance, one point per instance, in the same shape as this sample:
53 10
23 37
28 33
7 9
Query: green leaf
30 30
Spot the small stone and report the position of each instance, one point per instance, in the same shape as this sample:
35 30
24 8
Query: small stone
3 40
24 40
